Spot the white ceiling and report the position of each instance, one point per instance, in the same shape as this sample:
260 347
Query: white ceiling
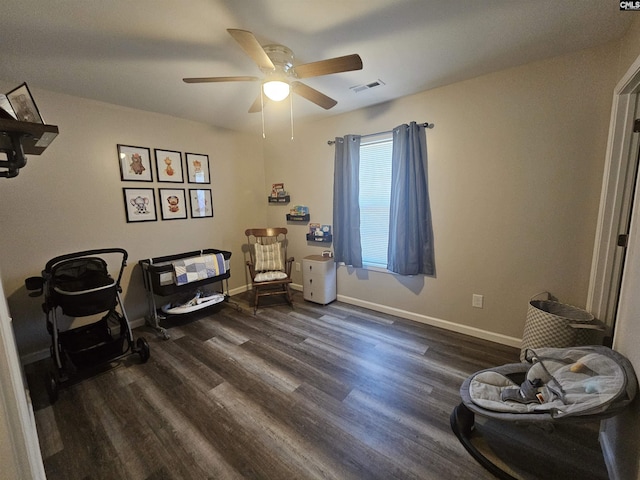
136 52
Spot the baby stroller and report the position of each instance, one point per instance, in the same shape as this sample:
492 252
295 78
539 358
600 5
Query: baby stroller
552 386
79 288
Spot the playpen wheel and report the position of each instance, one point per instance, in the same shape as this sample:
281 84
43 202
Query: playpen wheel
52 387
143 349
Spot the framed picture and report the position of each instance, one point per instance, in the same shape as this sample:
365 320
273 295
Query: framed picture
6 110
140 204
169 166
135 163
173 203
198 168
201 203
23 105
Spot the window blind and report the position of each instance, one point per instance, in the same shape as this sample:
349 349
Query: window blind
375 196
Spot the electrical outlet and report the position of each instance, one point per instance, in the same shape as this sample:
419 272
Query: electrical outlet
297 266
477 301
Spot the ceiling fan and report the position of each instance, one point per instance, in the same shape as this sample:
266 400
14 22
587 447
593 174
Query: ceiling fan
280 74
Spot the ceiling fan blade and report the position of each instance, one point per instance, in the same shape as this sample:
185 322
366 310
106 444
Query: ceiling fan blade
219 79
257 104
252 47
313 95
331 65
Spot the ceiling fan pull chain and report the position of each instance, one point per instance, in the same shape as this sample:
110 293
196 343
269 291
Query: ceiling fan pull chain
262 110
291 113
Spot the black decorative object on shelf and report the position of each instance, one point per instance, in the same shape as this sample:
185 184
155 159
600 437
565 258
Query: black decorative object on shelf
284 199
298 218
322 239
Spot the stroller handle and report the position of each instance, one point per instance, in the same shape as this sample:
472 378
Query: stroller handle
86 253
69 256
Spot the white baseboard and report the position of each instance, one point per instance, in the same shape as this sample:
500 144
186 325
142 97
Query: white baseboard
34 357
435 322
417 317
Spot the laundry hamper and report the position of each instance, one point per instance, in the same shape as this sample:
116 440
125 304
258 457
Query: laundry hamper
557 325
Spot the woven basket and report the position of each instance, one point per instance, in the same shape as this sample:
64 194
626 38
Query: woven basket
554 324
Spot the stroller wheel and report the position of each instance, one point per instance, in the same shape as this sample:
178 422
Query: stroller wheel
52 387
143 349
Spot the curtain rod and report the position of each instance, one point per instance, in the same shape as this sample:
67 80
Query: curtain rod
425 125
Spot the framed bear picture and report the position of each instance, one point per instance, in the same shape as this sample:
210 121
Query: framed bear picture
173 203
135 163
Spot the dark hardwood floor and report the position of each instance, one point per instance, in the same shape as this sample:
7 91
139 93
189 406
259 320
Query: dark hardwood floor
335 392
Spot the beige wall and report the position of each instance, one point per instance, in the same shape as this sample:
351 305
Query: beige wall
70 199
515 168
515 163
629 48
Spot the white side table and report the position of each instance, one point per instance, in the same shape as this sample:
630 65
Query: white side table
319 279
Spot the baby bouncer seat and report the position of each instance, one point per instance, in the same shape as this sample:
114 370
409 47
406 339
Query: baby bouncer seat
551 385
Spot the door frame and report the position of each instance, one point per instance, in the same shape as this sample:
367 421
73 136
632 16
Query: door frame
616 196
19 445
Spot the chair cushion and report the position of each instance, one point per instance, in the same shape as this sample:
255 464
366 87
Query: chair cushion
269 257
268 276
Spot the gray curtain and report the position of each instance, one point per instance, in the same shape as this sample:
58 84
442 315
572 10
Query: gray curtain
346 209
410 229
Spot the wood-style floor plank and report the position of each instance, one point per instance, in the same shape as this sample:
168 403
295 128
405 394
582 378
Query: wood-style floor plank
310 392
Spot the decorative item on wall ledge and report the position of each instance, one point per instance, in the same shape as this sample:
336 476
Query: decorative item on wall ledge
201 203
23 105
299 213
135 163
278 194
140 204
197 168
173 203
169 166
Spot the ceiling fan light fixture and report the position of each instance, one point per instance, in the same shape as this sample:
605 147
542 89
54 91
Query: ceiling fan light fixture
276 90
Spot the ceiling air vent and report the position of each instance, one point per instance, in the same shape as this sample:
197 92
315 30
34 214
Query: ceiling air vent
366 86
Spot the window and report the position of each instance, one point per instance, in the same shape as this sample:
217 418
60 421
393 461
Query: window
381 208
375 196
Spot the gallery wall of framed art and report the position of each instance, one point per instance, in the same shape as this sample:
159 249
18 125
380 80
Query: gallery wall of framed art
148 204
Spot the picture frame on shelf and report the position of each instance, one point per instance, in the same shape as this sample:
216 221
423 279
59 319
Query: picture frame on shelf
168 166
197 168
201 202
6 110
139 205
135 163
277 190
23 105
173 205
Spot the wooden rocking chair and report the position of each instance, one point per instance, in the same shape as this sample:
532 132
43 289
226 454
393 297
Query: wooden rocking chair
269 267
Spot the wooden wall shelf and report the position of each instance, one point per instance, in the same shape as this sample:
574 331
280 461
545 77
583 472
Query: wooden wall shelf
285 199
298 218
20 138
323 239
